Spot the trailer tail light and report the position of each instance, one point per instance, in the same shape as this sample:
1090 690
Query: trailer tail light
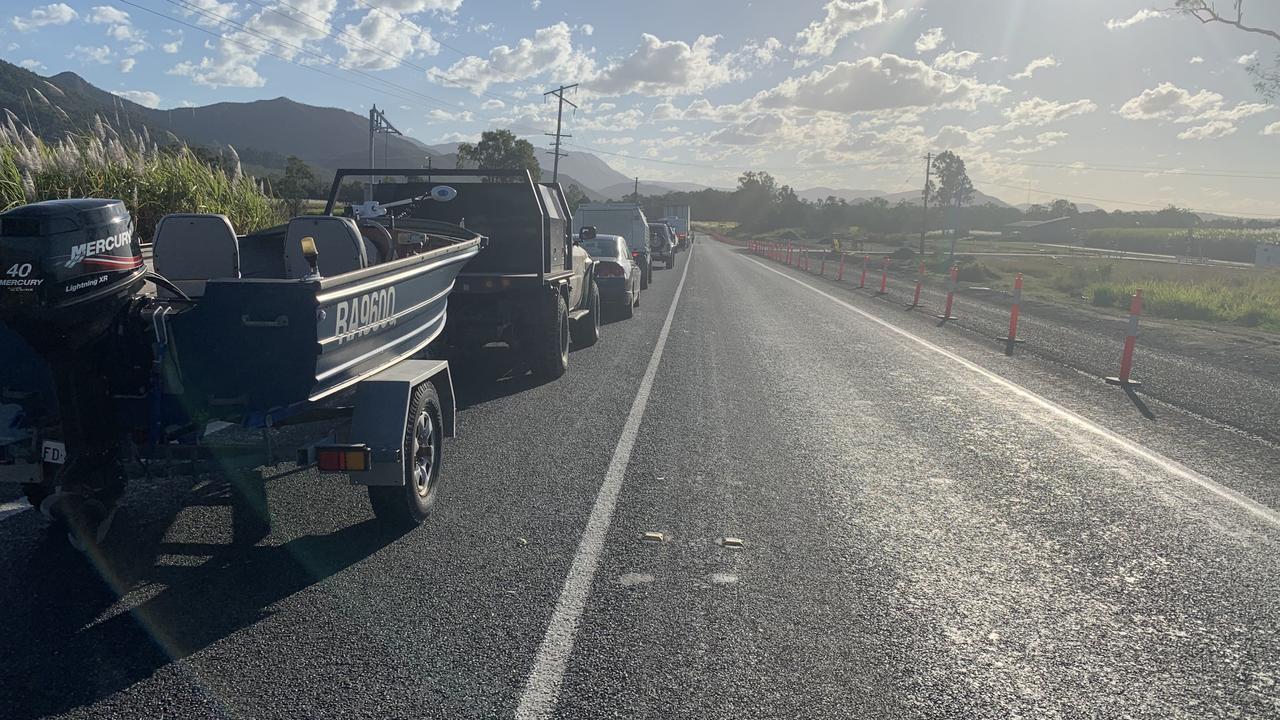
343 458
608 269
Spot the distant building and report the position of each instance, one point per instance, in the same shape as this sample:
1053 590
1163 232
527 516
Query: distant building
1058 230
1267 255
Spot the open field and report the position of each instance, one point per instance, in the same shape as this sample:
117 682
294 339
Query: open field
1243 297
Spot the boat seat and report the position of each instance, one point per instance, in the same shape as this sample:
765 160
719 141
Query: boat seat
191 249
338 242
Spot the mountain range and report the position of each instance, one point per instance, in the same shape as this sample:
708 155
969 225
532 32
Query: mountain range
266 132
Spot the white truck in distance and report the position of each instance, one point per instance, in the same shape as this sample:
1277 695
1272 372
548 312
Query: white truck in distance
679 217
625 219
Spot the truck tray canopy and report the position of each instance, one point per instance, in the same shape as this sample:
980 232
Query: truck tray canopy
527 223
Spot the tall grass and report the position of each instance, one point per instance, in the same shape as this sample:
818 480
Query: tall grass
152 181
1249 299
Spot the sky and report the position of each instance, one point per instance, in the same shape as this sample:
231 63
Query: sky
1106 102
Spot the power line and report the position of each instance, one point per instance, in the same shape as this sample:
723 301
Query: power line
1107 167
1113 201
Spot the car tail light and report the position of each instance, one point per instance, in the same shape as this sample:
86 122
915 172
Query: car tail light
608 269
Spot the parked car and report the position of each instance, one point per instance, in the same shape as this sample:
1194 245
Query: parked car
662 243
626 220
617 272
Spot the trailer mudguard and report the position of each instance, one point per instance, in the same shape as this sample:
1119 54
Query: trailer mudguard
382 412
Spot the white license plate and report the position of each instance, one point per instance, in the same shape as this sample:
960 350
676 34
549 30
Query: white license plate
54 452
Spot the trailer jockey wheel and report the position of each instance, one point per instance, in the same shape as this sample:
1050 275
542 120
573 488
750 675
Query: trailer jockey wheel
84 503
404 506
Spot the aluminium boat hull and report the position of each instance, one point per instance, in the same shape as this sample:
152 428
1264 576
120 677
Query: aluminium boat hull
263 344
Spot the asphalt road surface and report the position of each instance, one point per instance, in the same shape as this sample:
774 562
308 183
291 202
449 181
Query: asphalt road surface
928 528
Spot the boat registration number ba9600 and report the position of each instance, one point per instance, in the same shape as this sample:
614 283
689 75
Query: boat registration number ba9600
53 452
365 314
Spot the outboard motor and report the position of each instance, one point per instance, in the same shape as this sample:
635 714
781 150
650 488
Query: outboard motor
69 269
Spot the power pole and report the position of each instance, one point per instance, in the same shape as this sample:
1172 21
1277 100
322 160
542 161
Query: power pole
378 123
559 93
637 192
924 227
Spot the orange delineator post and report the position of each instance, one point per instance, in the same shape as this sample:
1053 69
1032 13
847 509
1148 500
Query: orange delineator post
822 269
789 249
840 272
915 300
951 291
863 282
1016 310
884 277
1130 341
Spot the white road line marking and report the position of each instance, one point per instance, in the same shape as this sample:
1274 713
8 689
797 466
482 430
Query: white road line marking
1170 466
13 507
542 691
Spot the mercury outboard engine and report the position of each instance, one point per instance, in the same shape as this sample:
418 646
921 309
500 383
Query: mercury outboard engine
69 269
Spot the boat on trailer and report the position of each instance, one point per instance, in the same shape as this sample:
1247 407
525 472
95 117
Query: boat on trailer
112 354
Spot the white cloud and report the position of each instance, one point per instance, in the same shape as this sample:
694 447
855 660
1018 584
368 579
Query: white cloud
888 82
52 14
587 29
100 55
957 60
126 65
1047 61
1021 145
219 73
667 67
1138 17
843 17
1272 129
759 130
172 47
1038 112
535 4
107 15
1196 60
32 65
142 97
395 41
1171 103
1209 131
492 104
760 53
550 49
410 7
281 28
1249 59
930 40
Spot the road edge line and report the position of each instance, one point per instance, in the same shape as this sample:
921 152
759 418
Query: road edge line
542 690
1137 450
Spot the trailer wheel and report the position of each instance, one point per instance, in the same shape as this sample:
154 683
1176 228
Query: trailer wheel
549 338
586 332
409 504
671 260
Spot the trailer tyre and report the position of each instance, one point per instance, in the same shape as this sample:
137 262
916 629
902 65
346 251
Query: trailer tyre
671 260
586 332
549 339
409 504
